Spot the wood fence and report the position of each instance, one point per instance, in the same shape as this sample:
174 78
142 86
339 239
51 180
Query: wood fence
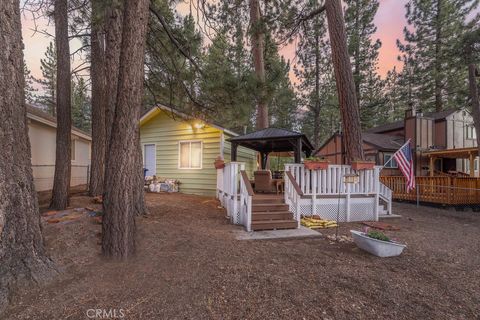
440 190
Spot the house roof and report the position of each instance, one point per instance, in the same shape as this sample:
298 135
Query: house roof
383 141
400 124
155 110
37 114
272 140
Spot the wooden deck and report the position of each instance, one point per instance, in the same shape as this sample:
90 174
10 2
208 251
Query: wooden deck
440 190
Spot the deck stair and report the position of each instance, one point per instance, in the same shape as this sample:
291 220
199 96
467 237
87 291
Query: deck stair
269 212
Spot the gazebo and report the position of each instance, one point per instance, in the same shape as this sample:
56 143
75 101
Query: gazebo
270 140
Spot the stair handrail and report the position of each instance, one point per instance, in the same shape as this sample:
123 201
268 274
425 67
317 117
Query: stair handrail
293 194
386 194
246 194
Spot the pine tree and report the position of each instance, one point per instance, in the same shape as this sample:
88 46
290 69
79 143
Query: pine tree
29 89
317 85
23 254
48 66
81 106
435 29
364 50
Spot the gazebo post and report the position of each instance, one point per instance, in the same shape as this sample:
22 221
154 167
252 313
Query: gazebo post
263 158
298 151
233 152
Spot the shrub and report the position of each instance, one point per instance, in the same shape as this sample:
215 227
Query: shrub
378 235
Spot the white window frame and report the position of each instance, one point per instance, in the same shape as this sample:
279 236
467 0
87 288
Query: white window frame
73 150
471 134
390 164
190 158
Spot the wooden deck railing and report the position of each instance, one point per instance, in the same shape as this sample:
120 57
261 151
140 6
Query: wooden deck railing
440 189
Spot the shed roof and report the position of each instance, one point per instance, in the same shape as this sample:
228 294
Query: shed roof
35 113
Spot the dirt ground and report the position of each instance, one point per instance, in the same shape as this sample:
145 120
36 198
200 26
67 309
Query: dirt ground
189 266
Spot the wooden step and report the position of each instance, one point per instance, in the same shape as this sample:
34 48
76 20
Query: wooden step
260 200
274 224
280 215
269 207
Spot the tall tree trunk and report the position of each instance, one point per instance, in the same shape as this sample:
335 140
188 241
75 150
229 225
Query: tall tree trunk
438 64
97 73
113 37
352 132
356 72
114 20
316 111
61 180
474 96
258 53
120 195
22 253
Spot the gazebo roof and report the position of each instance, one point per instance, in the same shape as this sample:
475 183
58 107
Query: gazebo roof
273 140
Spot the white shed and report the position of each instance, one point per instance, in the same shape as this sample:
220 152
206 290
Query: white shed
42 133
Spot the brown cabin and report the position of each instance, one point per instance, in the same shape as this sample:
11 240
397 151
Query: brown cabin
444 144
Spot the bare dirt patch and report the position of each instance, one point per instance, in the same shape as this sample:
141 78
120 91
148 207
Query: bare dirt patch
189 266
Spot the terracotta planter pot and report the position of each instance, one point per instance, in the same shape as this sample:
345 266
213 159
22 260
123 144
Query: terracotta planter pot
219 164
316 165
363 165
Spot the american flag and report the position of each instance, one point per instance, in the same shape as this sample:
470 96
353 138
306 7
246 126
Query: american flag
405 163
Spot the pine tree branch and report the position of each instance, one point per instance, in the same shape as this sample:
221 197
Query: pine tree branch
173 39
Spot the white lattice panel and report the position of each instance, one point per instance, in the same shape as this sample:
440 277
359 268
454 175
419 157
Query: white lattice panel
361 209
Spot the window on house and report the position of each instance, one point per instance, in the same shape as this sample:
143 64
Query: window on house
73 149
389 164
471 133
190 155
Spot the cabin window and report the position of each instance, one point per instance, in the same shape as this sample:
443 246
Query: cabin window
190 155
471 134
389 164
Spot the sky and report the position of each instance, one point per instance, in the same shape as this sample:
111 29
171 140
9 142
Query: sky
390 21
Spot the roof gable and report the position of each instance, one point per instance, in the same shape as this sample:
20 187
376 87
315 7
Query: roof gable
175 115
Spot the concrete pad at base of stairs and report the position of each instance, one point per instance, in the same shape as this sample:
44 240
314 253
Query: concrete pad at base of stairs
301 232
389 216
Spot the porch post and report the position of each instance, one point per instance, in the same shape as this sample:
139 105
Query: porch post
472 165
432 165
233 152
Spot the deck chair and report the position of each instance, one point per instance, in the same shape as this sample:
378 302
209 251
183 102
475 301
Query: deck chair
263 181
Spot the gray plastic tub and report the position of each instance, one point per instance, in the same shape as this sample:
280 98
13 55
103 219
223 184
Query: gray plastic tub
377 247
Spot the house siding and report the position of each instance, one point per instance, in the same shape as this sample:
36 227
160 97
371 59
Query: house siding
245 155
166 132
43 145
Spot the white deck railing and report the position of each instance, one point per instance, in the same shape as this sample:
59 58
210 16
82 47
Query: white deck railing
245 207
315 192
319 187
228 189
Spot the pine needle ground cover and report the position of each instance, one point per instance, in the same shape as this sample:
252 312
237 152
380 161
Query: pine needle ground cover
189 266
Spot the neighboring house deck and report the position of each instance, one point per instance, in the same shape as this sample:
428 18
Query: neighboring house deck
445 155
181 147
443 132
42 129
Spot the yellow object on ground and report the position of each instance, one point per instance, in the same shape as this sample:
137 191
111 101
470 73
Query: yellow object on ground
317 223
